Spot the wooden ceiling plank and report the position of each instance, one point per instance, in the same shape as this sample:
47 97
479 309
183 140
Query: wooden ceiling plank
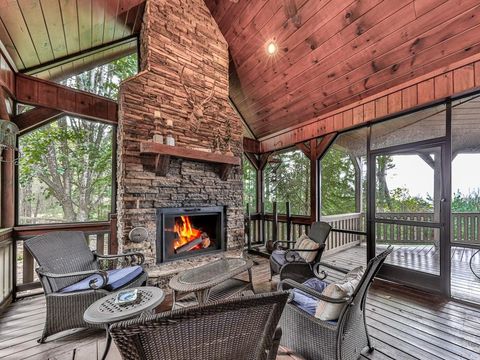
31 12
413 30
17 30
110 20
85 23
359 44
424 6
120 22
130 22
452 50
138 20
248 38
10 47
278 28
98 16
54 22
361 27
240 22
69 12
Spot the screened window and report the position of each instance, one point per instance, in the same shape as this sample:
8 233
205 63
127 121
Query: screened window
343 181
65 172
287 178
105 80
249 184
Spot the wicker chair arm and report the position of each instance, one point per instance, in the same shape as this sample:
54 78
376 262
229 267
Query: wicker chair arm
322 274
132 256
276 244
291 254
92 283
293 284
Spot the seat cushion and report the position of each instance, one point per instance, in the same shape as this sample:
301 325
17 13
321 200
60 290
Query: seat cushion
304 301
116 279
278 256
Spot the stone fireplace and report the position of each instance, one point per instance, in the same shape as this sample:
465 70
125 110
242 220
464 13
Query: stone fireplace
184 65
187 232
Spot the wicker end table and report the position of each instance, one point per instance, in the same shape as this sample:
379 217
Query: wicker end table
105 312
213 281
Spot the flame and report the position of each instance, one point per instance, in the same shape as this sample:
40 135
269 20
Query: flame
185 231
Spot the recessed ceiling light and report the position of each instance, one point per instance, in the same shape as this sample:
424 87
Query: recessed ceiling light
272 47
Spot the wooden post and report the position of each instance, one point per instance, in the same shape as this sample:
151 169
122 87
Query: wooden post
248 227
275 223
289 221
113 239
262 222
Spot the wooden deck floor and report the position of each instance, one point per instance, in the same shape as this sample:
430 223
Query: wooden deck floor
404 324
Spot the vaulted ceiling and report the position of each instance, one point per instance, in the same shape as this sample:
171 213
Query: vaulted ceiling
57 38
332 53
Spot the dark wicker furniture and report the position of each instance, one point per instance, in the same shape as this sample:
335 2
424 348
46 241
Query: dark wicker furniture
64 258
289 264
214 280
344 339
243 328
105 311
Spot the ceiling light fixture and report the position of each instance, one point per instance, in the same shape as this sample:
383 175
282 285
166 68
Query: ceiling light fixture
272 47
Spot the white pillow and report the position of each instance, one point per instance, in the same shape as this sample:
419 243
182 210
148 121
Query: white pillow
328 311
308 244
339 290
300 240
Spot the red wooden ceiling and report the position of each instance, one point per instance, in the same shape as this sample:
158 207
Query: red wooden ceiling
334 52
39 32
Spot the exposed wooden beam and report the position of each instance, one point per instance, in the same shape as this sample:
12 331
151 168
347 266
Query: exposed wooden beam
251 145
34 118
37 92
323 145
254 159
305 149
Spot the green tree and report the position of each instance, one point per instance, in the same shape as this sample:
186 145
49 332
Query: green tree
67 164
287 178
249 184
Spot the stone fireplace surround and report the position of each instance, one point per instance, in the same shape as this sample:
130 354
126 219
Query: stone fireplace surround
177 34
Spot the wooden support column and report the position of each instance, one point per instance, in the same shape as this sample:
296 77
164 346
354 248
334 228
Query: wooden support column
317 150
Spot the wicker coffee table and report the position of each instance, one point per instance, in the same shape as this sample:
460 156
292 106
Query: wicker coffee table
105 312
212 281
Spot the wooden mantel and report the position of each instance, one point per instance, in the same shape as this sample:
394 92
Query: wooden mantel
157 157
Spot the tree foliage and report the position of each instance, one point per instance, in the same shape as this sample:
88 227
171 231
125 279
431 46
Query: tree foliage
65 171
287 178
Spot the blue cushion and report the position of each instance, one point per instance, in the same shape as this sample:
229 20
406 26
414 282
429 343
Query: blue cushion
306 302
116 279
279 256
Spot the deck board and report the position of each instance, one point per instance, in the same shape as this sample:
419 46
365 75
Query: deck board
404 323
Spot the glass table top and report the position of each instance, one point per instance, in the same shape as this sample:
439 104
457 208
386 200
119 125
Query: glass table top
211 271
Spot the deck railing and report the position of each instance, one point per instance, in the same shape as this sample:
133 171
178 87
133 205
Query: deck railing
465 229
6 266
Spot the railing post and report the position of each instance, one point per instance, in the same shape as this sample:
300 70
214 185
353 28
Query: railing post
289 221
275 222
247 228
113 240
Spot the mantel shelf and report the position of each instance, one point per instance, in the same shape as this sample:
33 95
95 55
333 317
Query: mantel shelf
156 157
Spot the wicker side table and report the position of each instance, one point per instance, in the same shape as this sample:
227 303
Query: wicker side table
105 312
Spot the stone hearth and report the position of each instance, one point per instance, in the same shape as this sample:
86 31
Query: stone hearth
177 35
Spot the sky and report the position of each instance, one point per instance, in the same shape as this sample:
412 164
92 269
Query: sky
413 173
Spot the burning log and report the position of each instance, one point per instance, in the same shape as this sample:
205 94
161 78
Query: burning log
189 246
203 241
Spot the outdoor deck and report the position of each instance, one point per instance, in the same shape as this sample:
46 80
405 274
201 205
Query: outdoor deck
404 323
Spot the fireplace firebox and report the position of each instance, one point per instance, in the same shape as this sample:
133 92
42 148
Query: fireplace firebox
191 231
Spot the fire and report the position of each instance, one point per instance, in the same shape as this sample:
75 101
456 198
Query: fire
185 231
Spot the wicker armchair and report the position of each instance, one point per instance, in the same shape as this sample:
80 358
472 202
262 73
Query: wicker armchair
289 264
242 328
64 260
324 340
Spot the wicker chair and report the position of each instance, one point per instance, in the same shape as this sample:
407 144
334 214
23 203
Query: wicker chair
324 340
243 328
289 264
64 260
